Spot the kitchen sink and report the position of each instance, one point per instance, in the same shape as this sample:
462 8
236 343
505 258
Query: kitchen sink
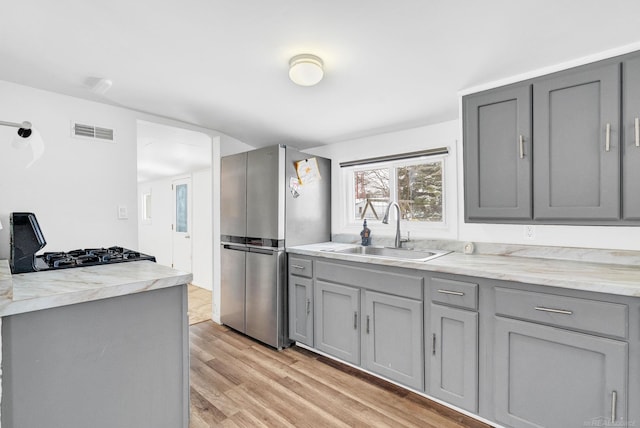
393 253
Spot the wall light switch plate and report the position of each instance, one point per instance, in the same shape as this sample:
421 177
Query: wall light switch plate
529 232
123 213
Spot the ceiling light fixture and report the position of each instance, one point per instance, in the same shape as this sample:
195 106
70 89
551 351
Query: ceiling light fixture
101 86
306 69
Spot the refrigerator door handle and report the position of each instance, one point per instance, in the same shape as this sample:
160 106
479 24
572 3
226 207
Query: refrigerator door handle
235 248
261 251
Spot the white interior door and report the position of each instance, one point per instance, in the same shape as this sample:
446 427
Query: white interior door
182 224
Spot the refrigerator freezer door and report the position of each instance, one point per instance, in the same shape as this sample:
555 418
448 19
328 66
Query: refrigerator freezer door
232 290
265 193
233 195
265 296
308 215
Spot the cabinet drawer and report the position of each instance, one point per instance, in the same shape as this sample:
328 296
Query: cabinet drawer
371 279
300 267
454 293
610 319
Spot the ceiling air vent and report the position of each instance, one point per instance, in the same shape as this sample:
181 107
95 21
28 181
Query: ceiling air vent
91 131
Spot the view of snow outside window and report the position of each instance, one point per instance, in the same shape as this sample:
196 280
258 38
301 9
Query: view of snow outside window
417 186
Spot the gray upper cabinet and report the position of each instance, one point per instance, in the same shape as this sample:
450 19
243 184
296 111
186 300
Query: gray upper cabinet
555 378
557 149
393 338
577 144
631 132
497 154
337 320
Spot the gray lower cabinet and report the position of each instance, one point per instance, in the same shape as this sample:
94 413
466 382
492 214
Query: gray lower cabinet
452 340
550 377
497 154
116 362
337 320
453 373
577 144
301 309
393 338
631 135
521 355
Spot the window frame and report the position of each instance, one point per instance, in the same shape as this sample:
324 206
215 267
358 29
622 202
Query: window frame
146 207
350 220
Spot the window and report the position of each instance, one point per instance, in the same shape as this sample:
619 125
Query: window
146 207
416 184
181 208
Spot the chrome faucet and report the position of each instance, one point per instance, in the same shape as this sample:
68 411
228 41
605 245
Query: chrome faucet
385 220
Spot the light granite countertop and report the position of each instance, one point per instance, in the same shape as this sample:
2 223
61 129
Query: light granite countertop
34 291
620 279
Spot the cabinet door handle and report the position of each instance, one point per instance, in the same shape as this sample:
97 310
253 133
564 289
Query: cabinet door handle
355 320
367 324
614 404
433 344
637 132
297 267
607 140
554 311
308 306
521 143
455 293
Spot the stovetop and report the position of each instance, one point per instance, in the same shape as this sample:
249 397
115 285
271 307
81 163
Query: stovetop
88 257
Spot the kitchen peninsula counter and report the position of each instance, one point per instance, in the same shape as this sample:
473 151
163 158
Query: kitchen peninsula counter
34 291
98 346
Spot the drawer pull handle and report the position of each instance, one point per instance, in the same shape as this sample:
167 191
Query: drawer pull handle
297 267
637 132
607 144
554 311
521 141
455 293
614 403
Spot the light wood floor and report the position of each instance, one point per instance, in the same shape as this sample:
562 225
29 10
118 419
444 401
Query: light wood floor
199 304
237 382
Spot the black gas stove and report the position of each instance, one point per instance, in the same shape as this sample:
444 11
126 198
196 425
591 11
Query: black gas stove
27 239
88 257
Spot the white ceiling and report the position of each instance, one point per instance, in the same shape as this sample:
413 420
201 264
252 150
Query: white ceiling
165 151
390 64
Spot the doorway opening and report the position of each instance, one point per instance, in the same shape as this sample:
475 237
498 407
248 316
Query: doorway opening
175 200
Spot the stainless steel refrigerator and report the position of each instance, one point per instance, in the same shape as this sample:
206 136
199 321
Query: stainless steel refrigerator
264 208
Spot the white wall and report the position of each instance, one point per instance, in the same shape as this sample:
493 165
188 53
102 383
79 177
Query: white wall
155 236
449 133
202 235
441 135
77 185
